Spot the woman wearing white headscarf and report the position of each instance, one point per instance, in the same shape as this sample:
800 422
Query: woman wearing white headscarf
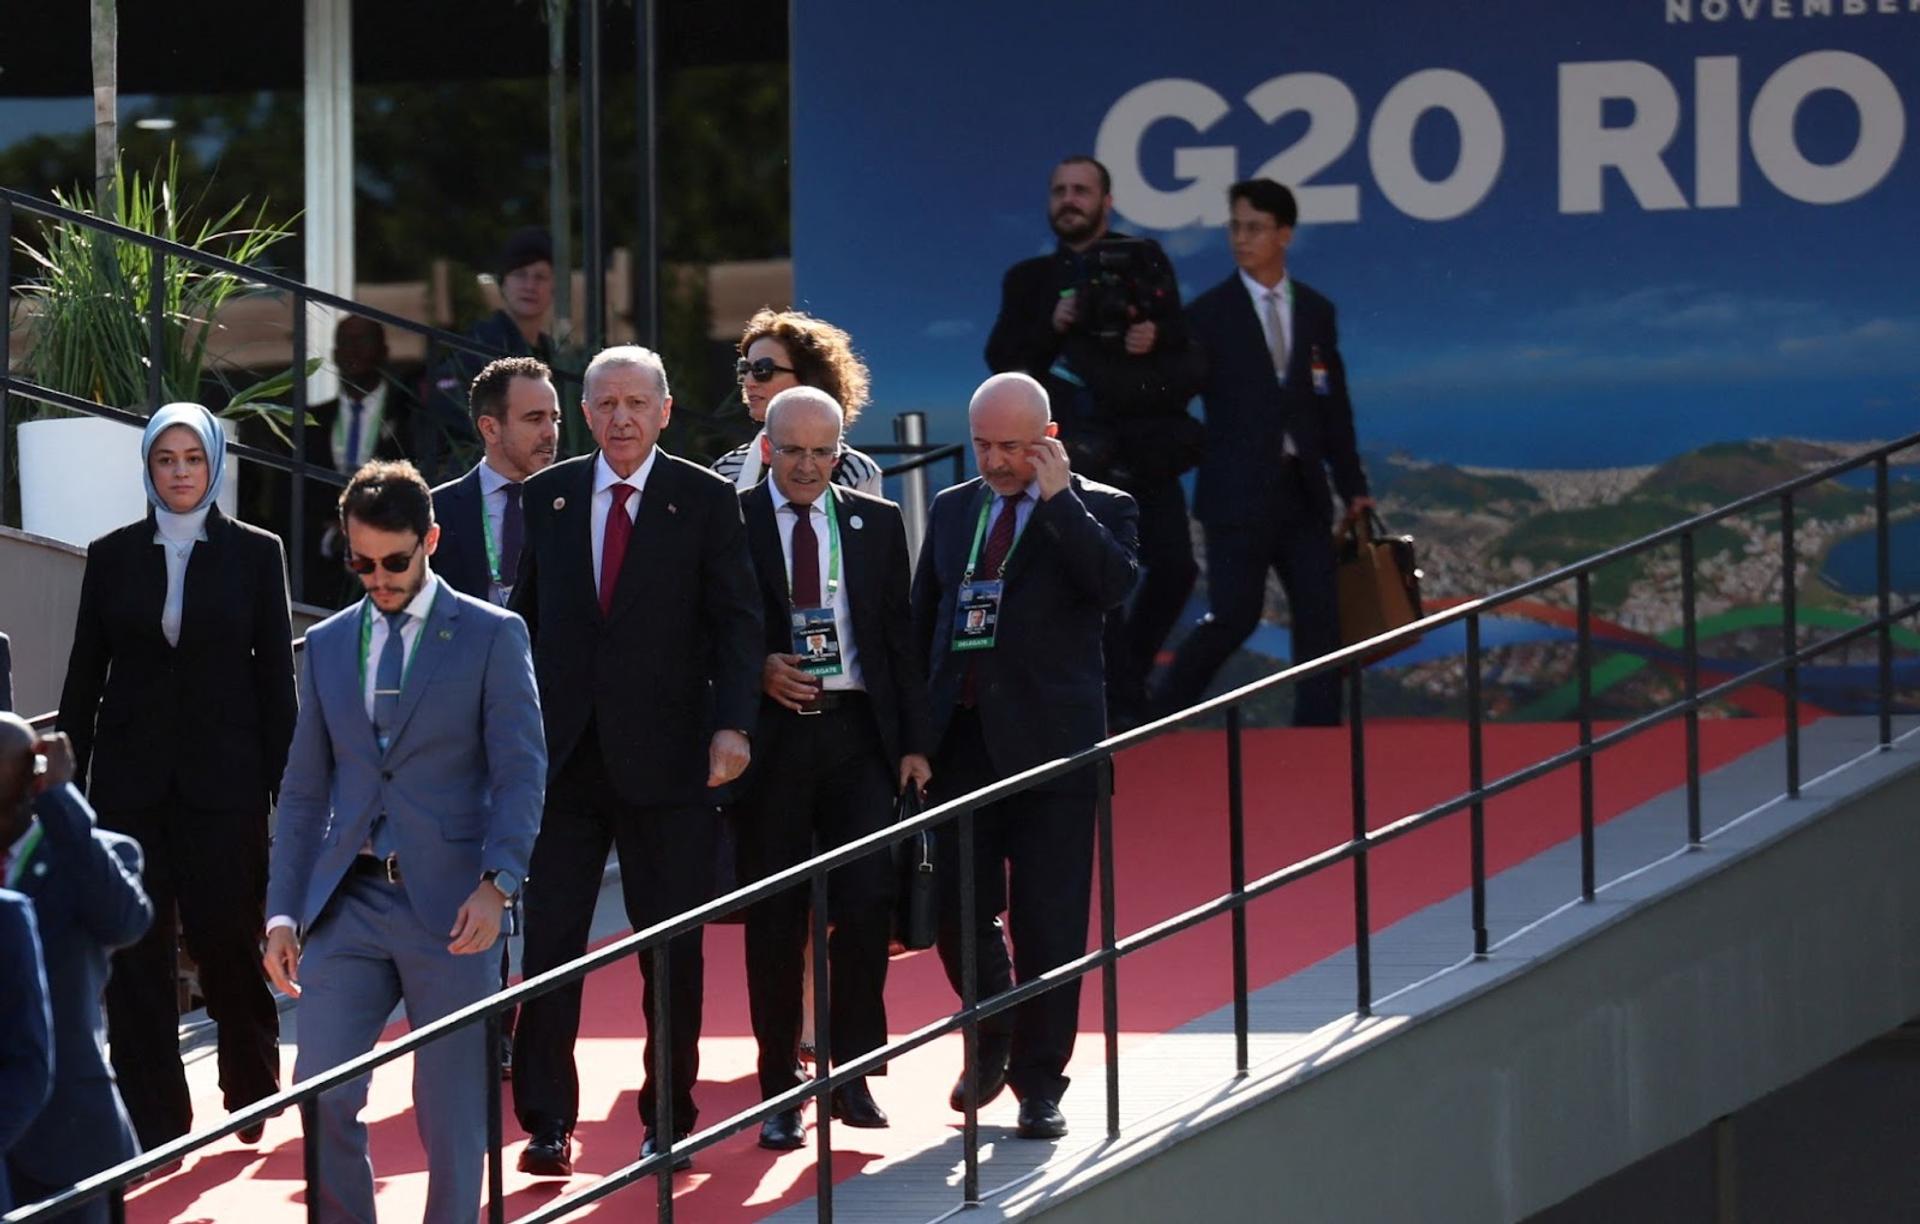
179 699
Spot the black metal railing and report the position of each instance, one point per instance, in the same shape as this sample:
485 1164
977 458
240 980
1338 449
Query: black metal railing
1113 948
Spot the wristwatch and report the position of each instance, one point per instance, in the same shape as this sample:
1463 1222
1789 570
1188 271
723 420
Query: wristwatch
507 882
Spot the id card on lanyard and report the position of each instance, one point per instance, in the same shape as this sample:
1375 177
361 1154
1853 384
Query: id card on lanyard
816 633
976 612
502 587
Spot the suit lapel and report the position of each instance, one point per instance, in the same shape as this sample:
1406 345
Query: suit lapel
763 543
657 519
861 570
203 583
434 644
1250 334
150 583
336 664
573 530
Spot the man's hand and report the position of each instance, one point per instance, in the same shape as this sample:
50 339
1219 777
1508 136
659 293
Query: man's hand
727 757
57 750
1357 507
282 960
477 924
1066 312
787 684
915 769
1050 466
1141 337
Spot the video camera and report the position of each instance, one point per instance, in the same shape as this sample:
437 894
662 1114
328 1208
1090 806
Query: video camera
1123 285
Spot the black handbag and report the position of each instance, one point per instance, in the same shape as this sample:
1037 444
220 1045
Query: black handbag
914 915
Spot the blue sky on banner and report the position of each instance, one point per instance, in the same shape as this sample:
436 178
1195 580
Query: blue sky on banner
1559 235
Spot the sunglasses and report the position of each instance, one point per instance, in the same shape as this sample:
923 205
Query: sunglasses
394 563
760 369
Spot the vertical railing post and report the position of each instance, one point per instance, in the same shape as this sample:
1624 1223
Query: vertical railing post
1790 640
310 1155
1237 880
822 1048
1883 590
593 262
1476 778
1690 647
1109 972
646 279
6 335
496 1169
297 475
1583 599
157 331
117 1205
660 1033
910 429
1362 926
969 998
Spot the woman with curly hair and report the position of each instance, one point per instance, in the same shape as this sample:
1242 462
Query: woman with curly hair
790 348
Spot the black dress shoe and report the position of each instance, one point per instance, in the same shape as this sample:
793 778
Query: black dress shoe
548 1154
854 1105
783 1132
251 1132
1041 1119
994 1052
680 1162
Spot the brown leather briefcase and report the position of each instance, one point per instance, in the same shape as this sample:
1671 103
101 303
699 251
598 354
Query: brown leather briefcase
1379 582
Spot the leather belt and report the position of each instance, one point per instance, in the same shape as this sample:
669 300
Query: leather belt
831 702
387 868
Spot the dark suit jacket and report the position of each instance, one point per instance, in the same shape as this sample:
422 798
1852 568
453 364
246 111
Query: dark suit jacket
876 572
85 887
1247 409
1041 690
679 656
26 1026
462 556
212 715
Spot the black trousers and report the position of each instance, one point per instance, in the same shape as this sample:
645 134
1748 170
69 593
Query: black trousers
1299 548
825 782
1136 631
1033 859
210 867
666 867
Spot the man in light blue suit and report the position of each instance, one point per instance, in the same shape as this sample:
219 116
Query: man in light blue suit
412 795
26 1026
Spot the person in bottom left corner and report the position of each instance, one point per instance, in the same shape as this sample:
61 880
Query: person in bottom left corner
407 814
85 887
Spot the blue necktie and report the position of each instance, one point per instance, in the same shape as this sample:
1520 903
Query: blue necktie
386 708
353 435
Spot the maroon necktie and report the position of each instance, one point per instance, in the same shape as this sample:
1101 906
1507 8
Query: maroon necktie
999 544
806 558
613 547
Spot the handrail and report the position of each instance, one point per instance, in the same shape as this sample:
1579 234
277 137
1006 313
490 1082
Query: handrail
814 872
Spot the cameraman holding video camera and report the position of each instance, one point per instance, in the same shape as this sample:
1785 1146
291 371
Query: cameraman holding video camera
1098 322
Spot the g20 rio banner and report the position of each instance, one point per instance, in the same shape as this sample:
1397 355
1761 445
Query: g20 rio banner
1596 264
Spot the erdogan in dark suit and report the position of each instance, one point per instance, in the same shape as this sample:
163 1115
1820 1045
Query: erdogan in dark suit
638 592
843 728
1278 422
1043 556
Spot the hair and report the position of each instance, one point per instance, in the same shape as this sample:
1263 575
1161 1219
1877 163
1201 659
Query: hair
625 355
388 496
523 247
1028 386
1088 159
1266 196
797 397
488 394
822 355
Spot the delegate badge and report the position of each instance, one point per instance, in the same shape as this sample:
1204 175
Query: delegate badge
816 639
976 615
1318 366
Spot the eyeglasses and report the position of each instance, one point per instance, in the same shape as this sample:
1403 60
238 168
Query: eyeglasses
760 369
819 454
393 563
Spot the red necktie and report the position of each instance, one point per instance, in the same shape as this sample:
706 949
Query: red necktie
806 558
613 546
999 544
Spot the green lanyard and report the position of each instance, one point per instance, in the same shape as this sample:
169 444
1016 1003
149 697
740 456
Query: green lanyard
980 533
833 549
493 545
18 867
366 642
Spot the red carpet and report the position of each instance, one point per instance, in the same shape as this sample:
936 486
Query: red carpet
1172 853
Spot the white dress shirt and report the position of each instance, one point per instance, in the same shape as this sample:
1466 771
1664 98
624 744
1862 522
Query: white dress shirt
373 413
785 515
177 534
1283 292
604 478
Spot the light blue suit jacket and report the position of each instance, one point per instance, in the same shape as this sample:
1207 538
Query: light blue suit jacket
461 783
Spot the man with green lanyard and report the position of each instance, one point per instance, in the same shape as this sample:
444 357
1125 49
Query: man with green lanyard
1017 574
842 730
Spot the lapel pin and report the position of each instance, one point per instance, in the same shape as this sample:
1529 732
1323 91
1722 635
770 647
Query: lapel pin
559 503
855 523
446 635
39 870
672 509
